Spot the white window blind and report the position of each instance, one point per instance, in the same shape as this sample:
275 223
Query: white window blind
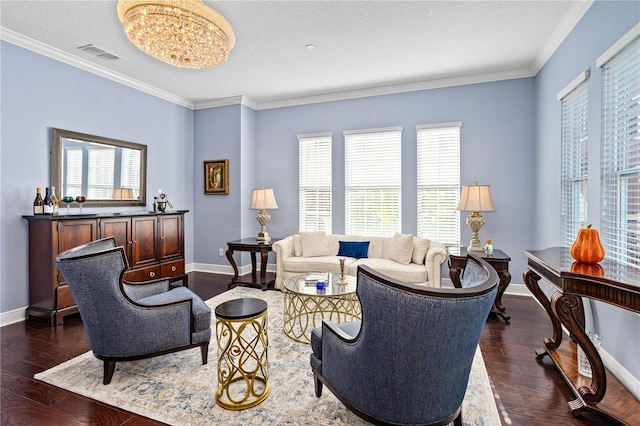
621 155
574 141
100 173
72 182
130 171
373 181
314 182
438 160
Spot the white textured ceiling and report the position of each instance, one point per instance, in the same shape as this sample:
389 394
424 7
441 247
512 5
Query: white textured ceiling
361 47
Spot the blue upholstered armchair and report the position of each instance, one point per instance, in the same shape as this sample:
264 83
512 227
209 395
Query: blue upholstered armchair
126 322
408 361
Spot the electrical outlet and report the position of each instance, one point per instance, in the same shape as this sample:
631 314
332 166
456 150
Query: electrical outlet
220 252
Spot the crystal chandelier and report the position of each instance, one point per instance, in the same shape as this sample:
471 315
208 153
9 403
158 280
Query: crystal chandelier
183 33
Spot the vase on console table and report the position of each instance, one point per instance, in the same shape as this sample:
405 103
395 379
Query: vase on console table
342 281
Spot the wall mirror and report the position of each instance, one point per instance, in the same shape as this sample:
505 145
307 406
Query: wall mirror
107 172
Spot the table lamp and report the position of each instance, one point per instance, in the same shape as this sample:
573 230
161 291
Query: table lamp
475 199
263 199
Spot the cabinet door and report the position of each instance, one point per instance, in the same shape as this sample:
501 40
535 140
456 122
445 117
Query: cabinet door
144 247
120 228
73 233
171 239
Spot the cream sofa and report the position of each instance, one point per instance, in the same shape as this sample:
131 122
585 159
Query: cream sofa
318 252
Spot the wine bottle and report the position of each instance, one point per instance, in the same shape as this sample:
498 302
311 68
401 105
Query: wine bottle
47 206
56 202
37 203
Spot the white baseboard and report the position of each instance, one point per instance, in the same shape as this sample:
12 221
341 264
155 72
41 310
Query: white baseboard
12 317
224 269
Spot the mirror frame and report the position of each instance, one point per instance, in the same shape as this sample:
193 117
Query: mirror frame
56 165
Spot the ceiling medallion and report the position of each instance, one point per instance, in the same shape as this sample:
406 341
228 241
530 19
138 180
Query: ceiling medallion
183 33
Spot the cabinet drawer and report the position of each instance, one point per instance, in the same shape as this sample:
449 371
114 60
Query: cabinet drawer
171 269
64 299
143 274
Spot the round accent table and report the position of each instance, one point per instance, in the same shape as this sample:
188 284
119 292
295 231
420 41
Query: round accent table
305 307
243 366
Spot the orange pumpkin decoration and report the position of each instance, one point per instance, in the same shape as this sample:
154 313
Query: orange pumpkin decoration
588 269
587 247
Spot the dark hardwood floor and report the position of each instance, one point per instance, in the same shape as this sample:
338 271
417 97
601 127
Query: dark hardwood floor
527 392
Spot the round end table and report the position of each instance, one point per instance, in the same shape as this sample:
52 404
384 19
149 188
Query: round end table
243 366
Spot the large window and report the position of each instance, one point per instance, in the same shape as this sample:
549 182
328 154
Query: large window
314 182
621 150
373 181
574 140
438 159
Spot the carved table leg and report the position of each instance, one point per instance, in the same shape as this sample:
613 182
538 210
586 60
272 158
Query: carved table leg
454 274
263 270
531 280
229 254
570 310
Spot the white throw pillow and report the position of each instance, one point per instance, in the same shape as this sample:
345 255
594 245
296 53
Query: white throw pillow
297 247
401 248
420 247
314 244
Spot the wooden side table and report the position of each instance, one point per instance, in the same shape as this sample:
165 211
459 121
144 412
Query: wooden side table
254 246
499 260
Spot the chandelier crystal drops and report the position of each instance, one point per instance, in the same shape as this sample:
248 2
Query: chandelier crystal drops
183 33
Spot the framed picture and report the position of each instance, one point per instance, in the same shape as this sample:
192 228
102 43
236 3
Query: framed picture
216 177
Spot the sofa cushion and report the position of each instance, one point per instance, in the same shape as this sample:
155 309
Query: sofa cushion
355 249
401 248
420 247
412 273
297 246
314 244
316 264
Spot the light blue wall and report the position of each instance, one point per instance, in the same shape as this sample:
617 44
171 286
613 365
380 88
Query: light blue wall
39 93
496 149
603 24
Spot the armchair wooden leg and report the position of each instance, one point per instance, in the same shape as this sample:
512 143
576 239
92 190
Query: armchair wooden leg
109 368
318 385
458 420
204 352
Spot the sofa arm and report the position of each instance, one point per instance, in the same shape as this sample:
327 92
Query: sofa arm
436 256
283 250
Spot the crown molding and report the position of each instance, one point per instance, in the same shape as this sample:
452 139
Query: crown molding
62 56
235 100
567 24
396 88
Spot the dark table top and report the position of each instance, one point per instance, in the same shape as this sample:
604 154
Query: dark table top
245 307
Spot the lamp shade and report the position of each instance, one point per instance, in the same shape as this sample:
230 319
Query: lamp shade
122 194
476 198
263 199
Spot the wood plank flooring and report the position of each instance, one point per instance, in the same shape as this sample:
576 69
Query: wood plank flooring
527 392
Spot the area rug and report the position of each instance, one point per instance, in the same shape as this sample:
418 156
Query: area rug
177 389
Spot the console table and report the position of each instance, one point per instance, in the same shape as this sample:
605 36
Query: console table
499 260
613 284
254 246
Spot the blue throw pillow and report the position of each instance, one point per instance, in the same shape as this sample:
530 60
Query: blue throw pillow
357 249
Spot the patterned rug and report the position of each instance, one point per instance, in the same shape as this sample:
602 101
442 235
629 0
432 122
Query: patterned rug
177 389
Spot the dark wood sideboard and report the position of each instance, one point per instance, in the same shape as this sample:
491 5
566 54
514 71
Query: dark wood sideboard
153 242
613 284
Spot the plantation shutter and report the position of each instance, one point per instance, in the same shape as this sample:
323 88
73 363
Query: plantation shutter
620 175
438 161
314 182
373 181
574 141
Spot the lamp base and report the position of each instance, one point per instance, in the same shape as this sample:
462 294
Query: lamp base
475 247
263 236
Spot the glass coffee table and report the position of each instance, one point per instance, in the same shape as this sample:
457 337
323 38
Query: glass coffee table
305 307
